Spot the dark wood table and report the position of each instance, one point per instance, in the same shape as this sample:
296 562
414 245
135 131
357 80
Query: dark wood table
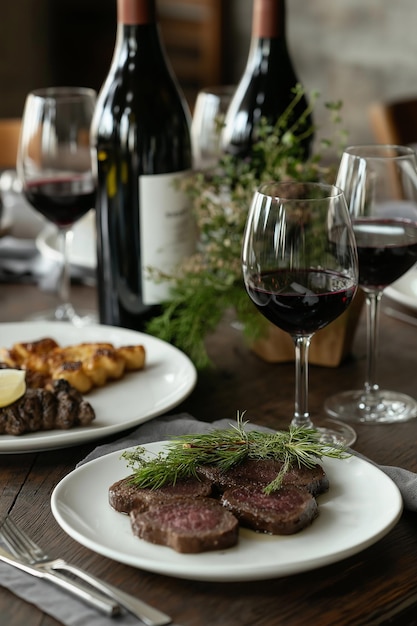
377 586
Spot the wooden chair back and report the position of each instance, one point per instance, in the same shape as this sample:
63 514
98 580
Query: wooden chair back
394 122
9 139
192 35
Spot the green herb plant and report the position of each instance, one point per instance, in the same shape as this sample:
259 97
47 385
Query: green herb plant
209 283
226 448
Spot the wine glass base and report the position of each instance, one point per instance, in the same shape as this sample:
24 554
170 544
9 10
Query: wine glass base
335 433
389 407
76 318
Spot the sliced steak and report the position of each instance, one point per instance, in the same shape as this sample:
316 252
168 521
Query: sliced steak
187 525
283 512
125 496
60 407
262 472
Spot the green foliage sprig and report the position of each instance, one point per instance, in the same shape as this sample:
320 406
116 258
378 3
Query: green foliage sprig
226 448
210 282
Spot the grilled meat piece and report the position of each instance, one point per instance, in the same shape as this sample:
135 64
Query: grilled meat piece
124 496
61 407
264 471
283 512
187 525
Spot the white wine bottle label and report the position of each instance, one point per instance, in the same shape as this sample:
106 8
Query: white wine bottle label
167 234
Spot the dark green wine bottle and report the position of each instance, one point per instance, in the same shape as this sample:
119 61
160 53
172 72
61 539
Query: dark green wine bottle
141 139
267 86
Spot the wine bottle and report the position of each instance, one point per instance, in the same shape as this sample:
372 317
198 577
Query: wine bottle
266 88
141 140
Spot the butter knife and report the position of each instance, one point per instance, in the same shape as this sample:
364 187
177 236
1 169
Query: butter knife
106 605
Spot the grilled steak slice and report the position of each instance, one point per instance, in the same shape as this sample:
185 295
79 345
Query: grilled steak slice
62 407
262 472
283 512
125 496
187 525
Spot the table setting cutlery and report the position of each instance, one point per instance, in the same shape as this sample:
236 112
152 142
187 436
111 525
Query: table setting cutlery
97 601
32 559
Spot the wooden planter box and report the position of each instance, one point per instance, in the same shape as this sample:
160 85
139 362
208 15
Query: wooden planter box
329 346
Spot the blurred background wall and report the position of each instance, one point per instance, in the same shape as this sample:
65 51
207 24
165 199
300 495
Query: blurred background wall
357 51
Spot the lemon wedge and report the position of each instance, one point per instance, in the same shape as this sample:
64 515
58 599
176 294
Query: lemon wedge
12 386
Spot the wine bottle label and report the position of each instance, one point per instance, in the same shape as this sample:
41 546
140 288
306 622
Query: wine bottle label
166 232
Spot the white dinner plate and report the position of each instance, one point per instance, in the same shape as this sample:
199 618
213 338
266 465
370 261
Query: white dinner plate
404 290
362 505
83 247
168 377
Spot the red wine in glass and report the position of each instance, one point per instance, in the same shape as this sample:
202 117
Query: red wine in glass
302 302
387 248
300 269
55 168
380 186
62 201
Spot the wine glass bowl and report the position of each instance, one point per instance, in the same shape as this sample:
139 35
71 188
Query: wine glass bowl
380 186
208 117
300 269
55 168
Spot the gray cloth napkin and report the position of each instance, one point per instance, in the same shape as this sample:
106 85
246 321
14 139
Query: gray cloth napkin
60 605
72 612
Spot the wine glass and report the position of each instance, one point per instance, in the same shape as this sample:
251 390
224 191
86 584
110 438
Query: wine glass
55 168
300 269
380 186
209 113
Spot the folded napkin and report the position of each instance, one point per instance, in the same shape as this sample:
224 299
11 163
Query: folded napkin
72 612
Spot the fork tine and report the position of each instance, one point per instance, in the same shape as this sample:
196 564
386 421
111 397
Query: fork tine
20 543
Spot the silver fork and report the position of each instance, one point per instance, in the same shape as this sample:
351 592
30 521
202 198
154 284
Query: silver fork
27 550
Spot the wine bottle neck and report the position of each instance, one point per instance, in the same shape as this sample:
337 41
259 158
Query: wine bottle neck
268 19
136 12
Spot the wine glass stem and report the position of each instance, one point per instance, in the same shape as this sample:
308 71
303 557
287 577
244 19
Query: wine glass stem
373 299
301 414
65 309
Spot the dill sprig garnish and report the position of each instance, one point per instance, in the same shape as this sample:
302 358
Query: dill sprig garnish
226 448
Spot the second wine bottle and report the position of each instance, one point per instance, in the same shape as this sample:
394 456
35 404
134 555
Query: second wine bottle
266 87
140 136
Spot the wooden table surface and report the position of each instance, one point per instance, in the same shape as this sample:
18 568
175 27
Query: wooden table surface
376 586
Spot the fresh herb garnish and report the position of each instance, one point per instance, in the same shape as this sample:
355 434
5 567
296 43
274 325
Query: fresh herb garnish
209 283
226 448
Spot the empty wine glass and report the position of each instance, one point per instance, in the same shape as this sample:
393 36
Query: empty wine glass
209 112
300 269
380 186
55 168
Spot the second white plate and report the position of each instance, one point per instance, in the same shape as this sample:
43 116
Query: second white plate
169 377
362 505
